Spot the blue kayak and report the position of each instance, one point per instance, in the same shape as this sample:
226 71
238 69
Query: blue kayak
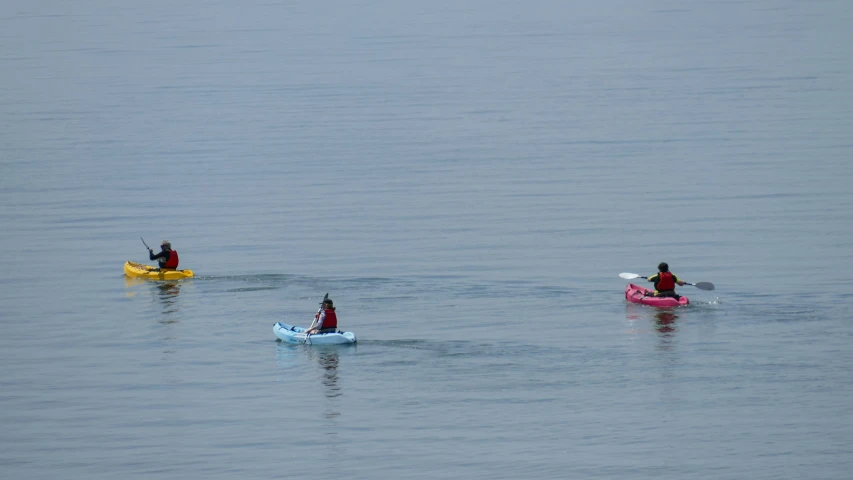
291 334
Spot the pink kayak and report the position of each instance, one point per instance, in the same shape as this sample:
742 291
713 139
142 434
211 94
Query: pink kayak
645 296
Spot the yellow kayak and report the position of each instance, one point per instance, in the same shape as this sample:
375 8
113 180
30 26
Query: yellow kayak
133 269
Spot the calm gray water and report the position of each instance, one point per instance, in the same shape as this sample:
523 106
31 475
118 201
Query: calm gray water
466 180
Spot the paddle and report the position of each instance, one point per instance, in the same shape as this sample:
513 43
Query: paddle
146 245
702 285
326 297
699 285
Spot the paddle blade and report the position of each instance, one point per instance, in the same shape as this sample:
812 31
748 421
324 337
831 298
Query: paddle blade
704 285
629 276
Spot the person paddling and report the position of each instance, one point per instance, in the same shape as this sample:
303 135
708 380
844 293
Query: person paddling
665 282
167 258
326 320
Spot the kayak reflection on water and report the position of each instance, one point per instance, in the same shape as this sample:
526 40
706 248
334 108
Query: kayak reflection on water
169 289
665 322
163 293
168 295
328 360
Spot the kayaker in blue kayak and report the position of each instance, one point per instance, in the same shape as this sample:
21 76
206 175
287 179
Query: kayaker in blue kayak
665 282
326 320
167 258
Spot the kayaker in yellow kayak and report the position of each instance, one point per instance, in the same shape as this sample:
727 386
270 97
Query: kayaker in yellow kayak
665 282
325 321
167 258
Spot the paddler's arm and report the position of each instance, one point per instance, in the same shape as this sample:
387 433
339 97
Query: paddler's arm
317 324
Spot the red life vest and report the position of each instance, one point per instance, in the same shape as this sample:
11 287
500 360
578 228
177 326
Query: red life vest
331 320
172 262
665 282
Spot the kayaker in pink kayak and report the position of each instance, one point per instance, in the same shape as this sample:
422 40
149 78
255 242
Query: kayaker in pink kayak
665 282
167 258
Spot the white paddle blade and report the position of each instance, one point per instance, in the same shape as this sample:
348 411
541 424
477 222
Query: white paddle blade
629 276
704 285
